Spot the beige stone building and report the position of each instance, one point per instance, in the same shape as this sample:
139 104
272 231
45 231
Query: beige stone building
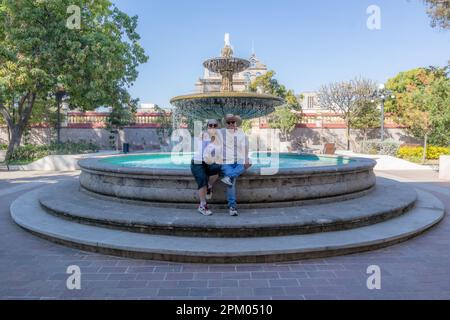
211 81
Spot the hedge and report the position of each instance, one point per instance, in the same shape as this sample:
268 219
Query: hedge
416 153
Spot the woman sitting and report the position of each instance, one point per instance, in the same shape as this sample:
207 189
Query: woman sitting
204 167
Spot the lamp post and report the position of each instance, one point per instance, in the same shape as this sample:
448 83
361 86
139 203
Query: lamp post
382 94
59 94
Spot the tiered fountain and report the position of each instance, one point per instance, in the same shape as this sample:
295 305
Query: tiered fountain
143 206
215 105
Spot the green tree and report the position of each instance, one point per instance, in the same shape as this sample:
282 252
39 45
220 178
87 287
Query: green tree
285 120
247 126
346 98
439 12
95 64
366 117
165 125
119 117
422 103
268 84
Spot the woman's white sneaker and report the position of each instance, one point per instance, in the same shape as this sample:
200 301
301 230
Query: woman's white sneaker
233 212
204 210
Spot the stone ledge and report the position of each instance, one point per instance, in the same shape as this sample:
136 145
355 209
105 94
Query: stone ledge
27 213
389 200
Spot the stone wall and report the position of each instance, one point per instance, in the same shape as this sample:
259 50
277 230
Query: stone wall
99 137
34 136
147 138
318 136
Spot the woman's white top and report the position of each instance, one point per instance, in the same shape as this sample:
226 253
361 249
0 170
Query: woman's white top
204 150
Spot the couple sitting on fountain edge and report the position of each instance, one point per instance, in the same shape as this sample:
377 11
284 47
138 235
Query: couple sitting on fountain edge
220 152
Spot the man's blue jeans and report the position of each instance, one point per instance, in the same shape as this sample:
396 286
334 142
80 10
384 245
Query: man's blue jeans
233 171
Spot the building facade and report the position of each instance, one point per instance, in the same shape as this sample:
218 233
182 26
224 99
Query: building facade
310 103
211 81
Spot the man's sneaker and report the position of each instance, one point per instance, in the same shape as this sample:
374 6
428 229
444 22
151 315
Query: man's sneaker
204 210
233 212
227 181
209 193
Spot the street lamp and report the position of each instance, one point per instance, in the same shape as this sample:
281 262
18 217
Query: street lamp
382 94
59 94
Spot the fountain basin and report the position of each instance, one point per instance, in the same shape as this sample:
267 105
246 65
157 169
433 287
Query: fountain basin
321 179
216 105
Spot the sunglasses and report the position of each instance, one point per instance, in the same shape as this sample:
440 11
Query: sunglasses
213 125
231 122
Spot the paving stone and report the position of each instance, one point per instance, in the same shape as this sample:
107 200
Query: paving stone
283 283
223 283
162 284
180 276
236 276
178 292
268 291
265 275
204 292
150 276
192 284
122 276
254 283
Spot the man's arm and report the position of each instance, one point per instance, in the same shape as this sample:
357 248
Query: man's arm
247 163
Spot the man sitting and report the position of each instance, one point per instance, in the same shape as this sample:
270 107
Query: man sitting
235 157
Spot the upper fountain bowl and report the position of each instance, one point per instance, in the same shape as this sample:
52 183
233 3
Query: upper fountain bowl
216 105
219 65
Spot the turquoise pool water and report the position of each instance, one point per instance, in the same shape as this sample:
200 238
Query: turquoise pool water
259 160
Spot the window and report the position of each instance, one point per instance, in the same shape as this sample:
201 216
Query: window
310 103
247 77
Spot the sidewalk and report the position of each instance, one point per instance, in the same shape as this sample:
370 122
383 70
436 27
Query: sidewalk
387 163
57 163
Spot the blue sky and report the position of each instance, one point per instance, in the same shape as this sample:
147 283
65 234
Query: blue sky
307 42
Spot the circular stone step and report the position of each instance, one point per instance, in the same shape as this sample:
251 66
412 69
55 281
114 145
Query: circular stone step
390 199
27 212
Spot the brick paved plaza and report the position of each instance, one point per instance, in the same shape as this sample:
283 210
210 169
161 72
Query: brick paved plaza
32 268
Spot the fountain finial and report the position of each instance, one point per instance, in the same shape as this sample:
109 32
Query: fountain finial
227 51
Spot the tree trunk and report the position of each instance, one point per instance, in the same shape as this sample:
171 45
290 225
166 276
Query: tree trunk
9 133
14 142
18 129
425 147
348 134
364 141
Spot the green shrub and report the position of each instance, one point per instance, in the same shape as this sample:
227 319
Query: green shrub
29 153
3 146
415 154
73 148
387 147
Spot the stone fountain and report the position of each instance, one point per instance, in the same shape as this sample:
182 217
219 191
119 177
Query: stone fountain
144 206
215 105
